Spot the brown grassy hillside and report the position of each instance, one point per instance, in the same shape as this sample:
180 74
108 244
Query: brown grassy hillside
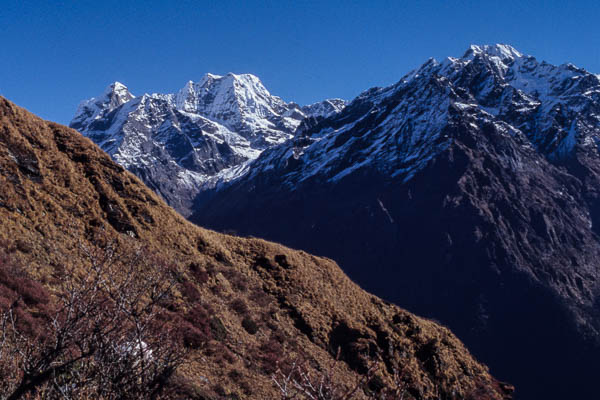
264 302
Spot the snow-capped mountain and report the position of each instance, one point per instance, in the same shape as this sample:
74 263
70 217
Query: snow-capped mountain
468 191
399 129
205 132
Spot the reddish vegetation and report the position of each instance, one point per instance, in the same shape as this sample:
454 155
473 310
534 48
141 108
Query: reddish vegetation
199 274
29 300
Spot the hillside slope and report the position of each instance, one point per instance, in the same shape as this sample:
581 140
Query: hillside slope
59 190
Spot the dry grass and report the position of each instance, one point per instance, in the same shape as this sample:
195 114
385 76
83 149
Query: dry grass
58 189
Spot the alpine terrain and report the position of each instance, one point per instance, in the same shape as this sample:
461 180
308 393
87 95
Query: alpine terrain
468 192
179 143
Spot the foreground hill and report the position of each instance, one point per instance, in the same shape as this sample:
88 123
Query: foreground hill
467 192
59 190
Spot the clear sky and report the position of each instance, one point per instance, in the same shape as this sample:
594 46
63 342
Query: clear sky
55 53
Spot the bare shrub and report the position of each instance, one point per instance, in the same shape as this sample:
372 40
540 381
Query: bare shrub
296 381
196 328
190 292
236 279
239 306
199 273
270 356
101 338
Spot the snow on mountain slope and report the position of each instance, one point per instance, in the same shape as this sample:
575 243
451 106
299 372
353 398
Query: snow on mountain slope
179 143
557 106
324 108
399 129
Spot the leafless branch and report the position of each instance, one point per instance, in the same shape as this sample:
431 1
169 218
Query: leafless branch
102 339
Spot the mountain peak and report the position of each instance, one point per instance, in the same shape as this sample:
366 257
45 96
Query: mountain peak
116 87
244 77
115 95
207 78
239 101
502 51
219 88
210 78
251 84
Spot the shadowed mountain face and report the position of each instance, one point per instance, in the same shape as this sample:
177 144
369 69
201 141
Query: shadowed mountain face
246 303
468 192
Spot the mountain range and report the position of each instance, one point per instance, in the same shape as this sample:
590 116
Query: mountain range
209 130
468 192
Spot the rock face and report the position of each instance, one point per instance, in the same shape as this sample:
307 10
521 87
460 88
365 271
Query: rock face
254 303
177 143
468 192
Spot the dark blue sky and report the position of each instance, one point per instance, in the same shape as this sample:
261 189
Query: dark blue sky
55 53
